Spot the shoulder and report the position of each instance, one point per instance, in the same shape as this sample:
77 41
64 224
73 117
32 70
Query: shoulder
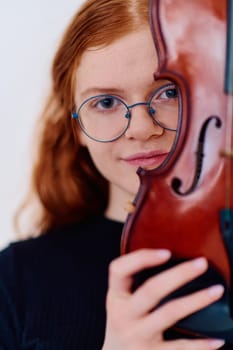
95 238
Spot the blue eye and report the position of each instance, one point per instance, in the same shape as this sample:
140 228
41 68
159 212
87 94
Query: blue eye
103 104
106 103
171 93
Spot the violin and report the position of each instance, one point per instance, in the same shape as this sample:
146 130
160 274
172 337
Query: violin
185 204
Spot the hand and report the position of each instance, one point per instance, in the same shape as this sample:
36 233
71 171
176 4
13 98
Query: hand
131 325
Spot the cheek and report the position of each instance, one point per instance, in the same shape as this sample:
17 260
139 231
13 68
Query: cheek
100 153
119 175
169 139
82 138
172 140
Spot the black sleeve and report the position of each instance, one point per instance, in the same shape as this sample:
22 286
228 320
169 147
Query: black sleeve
9 321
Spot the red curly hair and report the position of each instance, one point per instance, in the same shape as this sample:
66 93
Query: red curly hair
64 179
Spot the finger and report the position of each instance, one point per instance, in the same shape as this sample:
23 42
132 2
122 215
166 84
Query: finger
158 287
122 270
170 313
202 344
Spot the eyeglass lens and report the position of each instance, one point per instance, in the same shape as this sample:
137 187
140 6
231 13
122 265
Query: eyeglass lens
106 117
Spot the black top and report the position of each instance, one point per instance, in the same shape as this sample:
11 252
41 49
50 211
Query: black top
53 288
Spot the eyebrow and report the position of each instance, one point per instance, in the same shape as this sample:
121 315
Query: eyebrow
95 90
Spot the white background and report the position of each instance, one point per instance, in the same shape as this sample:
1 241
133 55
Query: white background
30 31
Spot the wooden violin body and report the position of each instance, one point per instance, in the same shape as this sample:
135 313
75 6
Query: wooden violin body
185 204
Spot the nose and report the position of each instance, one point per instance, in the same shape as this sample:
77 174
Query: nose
142 126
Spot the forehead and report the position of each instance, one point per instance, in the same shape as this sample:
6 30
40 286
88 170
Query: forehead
127 62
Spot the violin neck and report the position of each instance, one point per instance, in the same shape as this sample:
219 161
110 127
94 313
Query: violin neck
229 53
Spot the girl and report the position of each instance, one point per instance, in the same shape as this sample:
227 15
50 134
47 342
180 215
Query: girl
105 117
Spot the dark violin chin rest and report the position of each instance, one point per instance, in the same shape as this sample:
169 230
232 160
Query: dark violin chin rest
214 321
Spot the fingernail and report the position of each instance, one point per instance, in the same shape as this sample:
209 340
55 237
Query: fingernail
216 343
200 263
164 253
216 290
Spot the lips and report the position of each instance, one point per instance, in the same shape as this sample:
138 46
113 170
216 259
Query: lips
147 159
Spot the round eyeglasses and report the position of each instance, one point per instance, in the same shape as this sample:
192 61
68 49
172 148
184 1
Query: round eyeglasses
105 118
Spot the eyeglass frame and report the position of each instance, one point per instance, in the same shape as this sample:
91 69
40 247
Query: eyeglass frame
151 112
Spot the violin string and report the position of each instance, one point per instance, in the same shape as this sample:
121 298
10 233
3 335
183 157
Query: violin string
229 150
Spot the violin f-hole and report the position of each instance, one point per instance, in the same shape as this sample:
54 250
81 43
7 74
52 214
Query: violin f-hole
176 182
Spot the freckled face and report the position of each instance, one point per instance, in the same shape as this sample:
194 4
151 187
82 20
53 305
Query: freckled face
124 69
